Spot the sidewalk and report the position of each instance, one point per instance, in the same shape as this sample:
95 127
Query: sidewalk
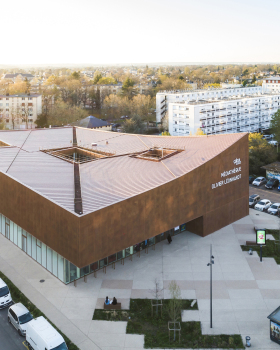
245 291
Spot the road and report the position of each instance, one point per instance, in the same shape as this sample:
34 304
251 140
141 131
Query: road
272 195
9 337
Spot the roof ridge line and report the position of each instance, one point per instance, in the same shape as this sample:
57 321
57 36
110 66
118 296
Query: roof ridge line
168 169
18 151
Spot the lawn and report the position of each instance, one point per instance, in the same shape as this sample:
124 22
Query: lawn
155 329
270 250
19 297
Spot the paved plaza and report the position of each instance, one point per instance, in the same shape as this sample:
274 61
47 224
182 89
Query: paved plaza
245 291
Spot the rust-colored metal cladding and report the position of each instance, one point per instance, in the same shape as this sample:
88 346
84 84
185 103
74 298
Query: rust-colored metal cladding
122 199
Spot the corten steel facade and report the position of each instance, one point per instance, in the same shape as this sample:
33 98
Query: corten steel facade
201 188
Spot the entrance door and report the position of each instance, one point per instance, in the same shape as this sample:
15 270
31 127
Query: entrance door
24 243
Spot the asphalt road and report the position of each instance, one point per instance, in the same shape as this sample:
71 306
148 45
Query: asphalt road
9 337
272 195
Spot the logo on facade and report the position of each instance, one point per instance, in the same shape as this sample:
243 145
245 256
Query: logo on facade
237 161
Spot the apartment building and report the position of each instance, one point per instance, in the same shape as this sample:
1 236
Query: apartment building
163 98
20 111
249 113
271 84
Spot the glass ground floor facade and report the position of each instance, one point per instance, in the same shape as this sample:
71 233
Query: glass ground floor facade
61 267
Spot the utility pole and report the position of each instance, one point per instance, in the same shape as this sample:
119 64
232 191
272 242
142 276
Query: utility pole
210 264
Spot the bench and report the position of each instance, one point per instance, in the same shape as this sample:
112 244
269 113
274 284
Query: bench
251 243
112 307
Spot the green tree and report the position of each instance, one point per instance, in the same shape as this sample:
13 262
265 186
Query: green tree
254 79
106 80
134 125
260 153
175 303
76 75
275 125
97 76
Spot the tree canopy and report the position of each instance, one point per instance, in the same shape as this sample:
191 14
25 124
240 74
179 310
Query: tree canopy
260 153
275 125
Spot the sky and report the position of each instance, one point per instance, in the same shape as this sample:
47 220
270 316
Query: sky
134 31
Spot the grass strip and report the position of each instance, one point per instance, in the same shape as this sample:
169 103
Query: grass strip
155 329
270 250
19 297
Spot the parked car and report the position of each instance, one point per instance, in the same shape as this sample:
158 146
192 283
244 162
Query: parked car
272 183
259 181
40 335
263 205
5 295
273 143
253 200
274 209
267 137
19 316
251 178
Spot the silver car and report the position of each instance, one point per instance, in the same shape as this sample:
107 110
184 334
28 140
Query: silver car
19 316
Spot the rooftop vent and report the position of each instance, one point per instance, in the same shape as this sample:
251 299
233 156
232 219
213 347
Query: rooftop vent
157 154
78 155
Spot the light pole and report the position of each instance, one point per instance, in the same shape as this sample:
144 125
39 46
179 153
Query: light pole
210 264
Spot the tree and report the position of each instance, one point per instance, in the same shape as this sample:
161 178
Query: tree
133 126
175 303
275 125
76 75
260 153
199 132
96 77
165 133
15 114
254 79
127 88
106 81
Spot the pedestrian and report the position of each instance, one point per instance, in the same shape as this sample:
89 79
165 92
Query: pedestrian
107 301
169 239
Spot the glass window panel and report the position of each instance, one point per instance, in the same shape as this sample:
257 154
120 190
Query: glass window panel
112 258
15 234
151 241
67 270
60 269
11 231
49 259
127 251
19 240
34 250
121 254
94 266
28 243
73 272
24 242
54 263
103 262
84 271
183 227
39 253
44 255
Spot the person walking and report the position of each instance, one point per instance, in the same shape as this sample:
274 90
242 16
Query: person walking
169 239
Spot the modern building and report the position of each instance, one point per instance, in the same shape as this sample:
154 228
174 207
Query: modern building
163 98
76 200
250 113
20 111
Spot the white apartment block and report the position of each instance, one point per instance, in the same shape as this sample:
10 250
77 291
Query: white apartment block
249 113
165 97
271 84
20 111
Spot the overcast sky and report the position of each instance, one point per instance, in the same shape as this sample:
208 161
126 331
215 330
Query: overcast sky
134 31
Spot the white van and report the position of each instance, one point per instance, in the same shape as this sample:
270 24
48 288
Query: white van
5 295
40 335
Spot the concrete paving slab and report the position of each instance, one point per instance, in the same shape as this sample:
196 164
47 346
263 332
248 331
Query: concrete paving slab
219 328
134 341
190 315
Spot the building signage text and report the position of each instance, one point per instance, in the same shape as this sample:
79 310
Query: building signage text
236 170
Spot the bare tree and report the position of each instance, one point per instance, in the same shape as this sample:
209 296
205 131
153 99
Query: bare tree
157 294
175 306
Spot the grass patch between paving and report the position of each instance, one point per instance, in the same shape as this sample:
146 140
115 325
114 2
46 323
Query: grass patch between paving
19 297
270 250
155 329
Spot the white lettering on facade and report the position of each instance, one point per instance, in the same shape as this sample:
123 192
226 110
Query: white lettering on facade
236 161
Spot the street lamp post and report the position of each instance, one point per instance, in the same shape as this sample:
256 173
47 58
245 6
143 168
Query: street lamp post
210 264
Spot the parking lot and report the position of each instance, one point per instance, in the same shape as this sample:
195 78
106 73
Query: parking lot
272 195
9 337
